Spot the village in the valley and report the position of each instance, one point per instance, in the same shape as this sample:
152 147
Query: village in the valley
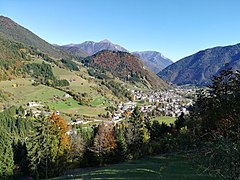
171 103
163 103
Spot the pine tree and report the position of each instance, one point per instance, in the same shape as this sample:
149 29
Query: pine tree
20 158
48 146
121 149
140 133
6 154
38 148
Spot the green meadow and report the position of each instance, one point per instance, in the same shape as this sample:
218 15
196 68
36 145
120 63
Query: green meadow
21 91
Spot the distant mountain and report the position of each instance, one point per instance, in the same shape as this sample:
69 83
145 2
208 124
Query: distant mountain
14 32
155 61
199 68
91 47
124 66
74 51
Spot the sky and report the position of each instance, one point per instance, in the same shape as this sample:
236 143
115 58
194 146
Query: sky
176 28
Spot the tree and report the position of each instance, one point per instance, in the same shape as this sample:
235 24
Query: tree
77 149
179 123
6 154
20 158
216 110
121 145
215 121
104 143
59 128
38 148
158 131
13 131
60 145
140 134
48 146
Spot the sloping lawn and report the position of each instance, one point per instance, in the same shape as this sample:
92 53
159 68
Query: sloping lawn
158 167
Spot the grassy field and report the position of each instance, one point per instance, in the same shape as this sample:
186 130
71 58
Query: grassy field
159 167
77 83
166 119
25 92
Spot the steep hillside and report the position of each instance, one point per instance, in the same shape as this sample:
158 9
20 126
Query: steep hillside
91 47
14 32
124 66
11 56
199 68
155 61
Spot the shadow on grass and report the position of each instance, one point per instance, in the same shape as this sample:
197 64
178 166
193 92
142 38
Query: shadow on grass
159 167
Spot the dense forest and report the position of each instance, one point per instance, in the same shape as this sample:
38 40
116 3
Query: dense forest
44 147
122 65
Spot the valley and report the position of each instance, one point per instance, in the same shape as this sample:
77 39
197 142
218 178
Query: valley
97 110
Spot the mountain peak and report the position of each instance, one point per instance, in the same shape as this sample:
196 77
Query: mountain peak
105 41
3 17
92 47
70 45
154 60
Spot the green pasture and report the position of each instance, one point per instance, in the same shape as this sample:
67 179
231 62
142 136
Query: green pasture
77 83
22 91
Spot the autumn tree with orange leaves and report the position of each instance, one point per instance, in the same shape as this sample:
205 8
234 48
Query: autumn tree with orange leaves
60 128
104 143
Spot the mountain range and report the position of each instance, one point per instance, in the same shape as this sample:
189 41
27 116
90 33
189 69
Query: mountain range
199 68
154 61
18 45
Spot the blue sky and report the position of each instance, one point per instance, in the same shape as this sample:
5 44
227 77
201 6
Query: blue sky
177 28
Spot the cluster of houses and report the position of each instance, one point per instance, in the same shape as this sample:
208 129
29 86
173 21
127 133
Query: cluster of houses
166 103
161 103
36 108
